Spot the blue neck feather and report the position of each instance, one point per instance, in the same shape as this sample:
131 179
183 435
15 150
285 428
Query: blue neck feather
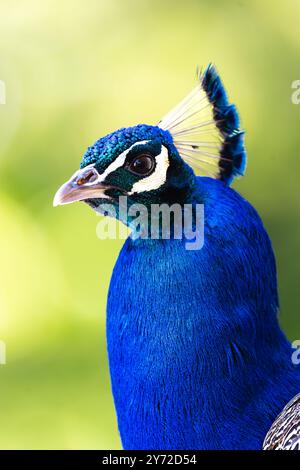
197 358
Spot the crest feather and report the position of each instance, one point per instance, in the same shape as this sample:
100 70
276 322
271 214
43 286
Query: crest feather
205 129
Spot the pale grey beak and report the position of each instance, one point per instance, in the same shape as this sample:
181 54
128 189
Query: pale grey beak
84 184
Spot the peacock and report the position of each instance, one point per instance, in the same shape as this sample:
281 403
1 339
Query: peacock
196 354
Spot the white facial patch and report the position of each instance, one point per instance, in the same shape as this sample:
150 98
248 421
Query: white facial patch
149 183
119 161
157 178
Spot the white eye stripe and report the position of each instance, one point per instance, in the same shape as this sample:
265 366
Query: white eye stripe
149 183
119 161
157 178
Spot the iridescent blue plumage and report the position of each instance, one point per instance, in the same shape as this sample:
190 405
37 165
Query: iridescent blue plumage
197 357
110 146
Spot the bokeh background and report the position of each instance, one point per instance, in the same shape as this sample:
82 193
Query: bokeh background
75 70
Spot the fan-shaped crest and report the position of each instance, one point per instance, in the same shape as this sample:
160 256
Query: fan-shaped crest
205 130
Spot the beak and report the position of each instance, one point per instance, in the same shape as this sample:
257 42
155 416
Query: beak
84 184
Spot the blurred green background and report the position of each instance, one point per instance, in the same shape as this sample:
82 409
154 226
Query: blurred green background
73 72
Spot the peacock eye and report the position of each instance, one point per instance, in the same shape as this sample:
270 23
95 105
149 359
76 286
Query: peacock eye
142 165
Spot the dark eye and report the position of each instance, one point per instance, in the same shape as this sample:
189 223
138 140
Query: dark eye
142 165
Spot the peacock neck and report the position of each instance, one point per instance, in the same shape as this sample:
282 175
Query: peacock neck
178 343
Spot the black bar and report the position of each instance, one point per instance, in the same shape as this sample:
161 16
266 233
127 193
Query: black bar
138 459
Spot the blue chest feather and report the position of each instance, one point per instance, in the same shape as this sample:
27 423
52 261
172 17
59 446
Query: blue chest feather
196 355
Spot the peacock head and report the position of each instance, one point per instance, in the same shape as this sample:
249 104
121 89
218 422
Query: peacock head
154 164
139 162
